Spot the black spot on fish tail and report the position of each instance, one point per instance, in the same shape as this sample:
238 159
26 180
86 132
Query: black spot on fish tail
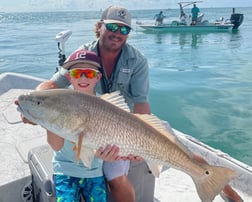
212 181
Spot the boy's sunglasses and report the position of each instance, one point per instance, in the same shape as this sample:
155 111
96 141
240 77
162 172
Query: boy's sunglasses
113 27
78 73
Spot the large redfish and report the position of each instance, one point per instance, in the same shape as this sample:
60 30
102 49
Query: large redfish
99 121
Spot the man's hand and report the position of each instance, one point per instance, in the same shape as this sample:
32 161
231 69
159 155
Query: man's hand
131 157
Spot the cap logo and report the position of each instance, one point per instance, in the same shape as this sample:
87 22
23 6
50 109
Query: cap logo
81 55
121 14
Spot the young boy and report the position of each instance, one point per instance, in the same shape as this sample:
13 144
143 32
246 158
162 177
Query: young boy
70 177
83 73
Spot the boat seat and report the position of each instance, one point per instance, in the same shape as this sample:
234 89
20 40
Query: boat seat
40 164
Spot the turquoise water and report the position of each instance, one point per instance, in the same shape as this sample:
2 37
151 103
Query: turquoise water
201 83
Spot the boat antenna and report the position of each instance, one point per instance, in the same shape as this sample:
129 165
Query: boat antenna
61 38
187 3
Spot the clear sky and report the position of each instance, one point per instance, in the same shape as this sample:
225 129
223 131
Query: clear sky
55 5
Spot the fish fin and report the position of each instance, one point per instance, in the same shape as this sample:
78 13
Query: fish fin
116 99
84 154
77 147
155 169
87 156
213 181
165 129
158 124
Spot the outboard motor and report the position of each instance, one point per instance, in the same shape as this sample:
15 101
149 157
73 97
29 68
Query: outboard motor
236 19
61 38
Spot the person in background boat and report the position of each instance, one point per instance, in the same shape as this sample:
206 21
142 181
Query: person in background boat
195 11
123 68
71 177
159 17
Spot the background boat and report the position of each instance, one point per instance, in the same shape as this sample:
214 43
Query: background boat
184 22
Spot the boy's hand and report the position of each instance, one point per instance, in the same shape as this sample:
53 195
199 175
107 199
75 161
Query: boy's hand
111 153
25 120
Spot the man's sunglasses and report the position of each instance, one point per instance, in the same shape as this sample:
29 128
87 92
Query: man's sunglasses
113 27
78 73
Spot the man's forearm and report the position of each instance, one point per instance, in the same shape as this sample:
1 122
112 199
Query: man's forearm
142 108
46 85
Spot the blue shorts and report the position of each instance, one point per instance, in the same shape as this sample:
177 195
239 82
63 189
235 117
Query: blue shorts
68 189
195 18
115 169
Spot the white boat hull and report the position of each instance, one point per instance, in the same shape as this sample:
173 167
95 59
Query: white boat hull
186 28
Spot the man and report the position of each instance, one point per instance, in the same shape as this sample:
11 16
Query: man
195 11
124 68
159 18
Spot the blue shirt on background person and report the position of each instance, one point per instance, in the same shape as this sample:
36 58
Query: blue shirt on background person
159 18
195 11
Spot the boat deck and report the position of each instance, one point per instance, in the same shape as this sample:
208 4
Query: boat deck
17 138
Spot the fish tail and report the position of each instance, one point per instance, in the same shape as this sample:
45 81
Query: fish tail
212 182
